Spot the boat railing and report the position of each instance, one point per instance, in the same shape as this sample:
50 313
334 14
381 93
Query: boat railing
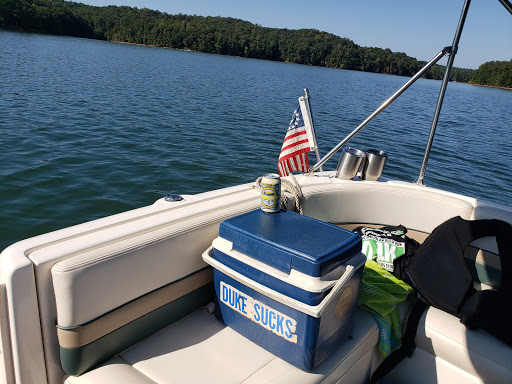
451 51
382 107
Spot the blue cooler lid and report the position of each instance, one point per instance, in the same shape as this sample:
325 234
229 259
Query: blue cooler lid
287 240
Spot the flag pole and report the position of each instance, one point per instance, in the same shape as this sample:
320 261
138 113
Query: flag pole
310 116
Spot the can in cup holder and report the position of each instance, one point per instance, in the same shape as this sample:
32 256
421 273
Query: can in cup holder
373 164
349 163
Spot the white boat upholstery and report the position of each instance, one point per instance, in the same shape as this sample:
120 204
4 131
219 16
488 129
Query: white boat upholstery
147 280
115 370
418 208
156 235
201 349
357 200
91 273
446 350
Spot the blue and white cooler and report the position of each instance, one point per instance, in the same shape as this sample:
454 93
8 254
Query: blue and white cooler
287 282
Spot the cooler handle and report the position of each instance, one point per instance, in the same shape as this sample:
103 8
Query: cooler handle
314 311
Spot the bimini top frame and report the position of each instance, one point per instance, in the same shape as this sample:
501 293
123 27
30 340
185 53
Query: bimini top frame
451 51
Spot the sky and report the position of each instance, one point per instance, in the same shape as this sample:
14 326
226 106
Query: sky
419 28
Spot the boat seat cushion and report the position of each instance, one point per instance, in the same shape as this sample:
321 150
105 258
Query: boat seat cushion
199 348
474 351
448 352
84 346
115 370
419 209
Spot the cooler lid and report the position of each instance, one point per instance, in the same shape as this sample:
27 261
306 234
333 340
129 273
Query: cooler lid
287 240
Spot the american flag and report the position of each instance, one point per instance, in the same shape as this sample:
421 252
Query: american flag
296 145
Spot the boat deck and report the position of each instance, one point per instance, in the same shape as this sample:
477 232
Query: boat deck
200 349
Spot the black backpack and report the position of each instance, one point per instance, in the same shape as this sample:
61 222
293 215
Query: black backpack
441 278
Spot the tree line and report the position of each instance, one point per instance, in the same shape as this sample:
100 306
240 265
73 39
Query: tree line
219 35
494 74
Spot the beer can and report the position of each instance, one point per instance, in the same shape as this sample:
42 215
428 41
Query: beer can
271 193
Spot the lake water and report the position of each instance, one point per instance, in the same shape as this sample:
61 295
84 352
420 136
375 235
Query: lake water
92 128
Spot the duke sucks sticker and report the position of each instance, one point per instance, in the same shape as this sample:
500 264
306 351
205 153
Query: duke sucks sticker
261 314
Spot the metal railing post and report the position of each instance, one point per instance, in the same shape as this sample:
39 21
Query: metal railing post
446 77
507 5
383 106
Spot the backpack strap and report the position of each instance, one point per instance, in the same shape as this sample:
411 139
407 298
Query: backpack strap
490 310
503 232
407 347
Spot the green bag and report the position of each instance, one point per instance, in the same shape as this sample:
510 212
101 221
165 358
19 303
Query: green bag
380 294
386 244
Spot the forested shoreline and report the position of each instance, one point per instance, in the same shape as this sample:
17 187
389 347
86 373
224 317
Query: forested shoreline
226 36
494 74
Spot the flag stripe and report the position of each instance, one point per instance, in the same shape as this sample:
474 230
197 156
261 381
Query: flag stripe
292 154
297 144
299 148
291 136
292 164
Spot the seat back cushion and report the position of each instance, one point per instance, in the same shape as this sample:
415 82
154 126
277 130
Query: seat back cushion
90 333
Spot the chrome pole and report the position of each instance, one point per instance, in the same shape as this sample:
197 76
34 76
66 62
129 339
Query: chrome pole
446 77
383 106
507 5
310 115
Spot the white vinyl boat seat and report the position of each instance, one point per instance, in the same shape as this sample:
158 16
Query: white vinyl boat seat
448 352
172 354
201 349
114 288
145 334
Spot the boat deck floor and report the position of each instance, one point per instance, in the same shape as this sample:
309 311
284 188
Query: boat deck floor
199 348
